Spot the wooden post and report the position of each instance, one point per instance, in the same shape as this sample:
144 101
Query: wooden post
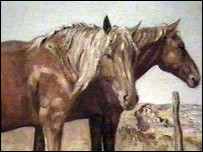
178 134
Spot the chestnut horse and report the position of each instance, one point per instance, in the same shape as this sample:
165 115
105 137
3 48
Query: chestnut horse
155 47
40 84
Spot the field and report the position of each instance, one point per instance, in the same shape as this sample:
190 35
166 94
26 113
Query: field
150 128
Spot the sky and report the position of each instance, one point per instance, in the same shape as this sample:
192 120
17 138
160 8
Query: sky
26 20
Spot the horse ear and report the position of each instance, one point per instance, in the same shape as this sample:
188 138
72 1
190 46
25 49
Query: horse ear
134 29
172 28
106 25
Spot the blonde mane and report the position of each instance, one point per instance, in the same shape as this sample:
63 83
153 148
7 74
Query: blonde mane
150 35
80 48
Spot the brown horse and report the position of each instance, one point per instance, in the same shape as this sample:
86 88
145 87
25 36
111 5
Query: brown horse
160 46
103 111
40 84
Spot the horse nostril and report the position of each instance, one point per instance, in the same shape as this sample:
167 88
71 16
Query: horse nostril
193 79
137 98
125 98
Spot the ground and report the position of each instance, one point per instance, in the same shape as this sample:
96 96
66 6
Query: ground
148 129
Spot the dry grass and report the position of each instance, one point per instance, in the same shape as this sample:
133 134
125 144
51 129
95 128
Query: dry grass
158 136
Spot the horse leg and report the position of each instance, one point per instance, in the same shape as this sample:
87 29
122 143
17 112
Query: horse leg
95 133
39 143
52 137
109 128
52 118
108 137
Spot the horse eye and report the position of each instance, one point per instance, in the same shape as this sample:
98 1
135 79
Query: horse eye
111 41
182 46
109 56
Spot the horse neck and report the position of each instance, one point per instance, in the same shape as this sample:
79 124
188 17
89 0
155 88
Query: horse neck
85 59
148 57
149 42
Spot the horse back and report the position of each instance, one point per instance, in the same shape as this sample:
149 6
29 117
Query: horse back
13 45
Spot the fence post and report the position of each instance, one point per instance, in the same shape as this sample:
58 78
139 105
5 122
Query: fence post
178 134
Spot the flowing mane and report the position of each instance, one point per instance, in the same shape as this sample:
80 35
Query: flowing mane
38 41
148 35
80 48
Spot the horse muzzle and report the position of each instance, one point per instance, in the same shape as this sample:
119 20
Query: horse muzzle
130 102
193 81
